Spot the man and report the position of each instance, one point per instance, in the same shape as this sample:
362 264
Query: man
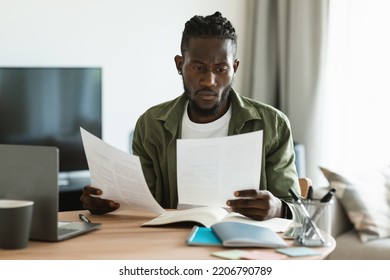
209 107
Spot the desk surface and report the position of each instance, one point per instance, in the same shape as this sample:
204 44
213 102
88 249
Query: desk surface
121 237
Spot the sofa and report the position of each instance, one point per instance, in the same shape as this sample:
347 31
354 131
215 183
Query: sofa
361 232
348 244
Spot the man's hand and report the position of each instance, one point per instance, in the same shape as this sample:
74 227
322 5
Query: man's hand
256 204
95 204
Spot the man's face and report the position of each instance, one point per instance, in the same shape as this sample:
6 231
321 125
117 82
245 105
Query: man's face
208 68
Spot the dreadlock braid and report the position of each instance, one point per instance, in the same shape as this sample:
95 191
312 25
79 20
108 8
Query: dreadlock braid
211 26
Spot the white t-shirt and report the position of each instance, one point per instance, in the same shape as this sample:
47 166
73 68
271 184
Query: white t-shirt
217 128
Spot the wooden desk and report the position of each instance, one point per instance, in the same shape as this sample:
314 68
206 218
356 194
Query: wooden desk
121 237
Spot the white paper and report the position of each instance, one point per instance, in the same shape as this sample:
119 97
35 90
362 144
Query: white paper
119 175
210 170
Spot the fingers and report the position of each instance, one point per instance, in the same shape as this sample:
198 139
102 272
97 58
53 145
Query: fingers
249 203
89 190
250 199
99 206
251 208
252 193
256 204
254 213
95 204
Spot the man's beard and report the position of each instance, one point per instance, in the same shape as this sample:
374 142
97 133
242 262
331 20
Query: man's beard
213 111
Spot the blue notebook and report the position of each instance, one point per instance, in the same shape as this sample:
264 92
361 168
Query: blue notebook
203 236
235 234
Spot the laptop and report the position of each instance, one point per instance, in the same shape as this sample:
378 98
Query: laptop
31 173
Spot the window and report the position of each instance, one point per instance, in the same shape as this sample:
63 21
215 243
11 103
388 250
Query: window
357 85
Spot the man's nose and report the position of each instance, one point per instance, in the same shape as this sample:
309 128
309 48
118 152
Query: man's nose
208 79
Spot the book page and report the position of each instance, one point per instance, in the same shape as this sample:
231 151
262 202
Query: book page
210 170
119 175
275 224
206 216
211 215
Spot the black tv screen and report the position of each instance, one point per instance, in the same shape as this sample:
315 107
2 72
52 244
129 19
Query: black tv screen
47 106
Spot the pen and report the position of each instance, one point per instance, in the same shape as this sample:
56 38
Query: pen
328 196
84 218
309 197
325 199
306 214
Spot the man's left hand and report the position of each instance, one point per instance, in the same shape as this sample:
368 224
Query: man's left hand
256 204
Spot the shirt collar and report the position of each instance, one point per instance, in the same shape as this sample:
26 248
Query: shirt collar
242 112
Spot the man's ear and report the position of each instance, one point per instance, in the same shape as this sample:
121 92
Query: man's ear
179 63
235 65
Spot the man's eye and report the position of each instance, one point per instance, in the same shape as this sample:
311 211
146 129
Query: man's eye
221 69
198 68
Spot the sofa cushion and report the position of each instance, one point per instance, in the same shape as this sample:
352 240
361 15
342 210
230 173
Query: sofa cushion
349 247
364 197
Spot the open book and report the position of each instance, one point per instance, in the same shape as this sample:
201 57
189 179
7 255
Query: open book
223 228
210 215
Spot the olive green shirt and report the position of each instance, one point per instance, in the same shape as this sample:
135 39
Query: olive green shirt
159 127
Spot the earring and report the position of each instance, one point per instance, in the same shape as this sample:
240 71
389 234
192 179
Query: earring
179 72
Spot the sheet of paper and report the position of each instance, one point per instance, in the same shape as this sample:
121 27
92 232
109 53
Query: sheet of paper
298 251
262 255
230 254
210 170
118 174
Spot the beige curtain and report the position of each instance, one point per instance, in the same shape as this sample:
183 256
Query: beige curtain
288 54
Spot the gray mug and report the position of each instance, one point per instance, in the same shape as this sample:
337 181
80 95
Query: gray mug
15 223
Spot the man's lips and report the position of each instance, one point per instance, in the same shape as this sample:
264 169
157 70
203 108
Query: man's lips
206 94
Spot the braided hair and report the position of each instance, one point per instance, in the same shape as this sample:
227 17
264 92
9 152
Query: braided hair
211 26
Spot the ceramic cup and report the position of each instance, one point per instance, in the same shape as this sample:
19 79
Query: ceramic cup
15 223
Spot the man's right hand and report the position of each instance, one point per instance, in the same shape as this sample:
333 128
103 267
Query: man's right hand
95 204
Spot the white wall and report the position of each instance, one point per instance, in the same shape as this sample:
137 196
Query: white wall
134 41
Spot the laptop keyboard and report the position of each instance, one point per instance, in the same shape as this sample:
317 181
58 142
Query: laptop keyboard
62 231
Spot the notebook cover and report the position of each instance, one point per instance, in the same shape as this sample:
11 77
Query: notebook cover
202 236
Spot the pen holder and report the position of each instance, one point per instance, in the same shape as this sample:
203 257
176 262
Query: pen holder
316 230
